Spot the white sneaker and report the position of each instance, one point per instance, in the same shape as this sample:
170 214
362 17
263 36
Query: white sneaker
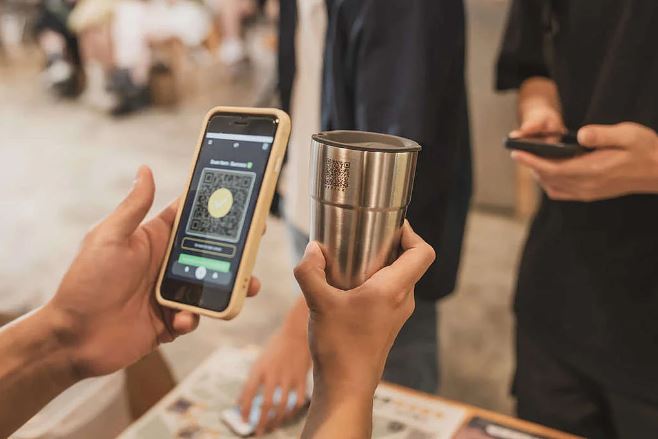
58 72
232 52
96 94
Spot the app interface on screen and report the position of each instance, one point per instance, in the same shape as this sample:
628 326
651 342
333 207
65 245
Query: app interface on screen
218 208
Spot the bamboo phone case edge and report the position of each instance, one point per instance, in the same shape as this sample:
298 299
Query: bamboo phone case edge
261 211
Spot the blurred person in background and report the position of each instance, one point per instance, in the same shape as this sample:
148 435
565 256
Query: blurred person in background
62 72
398 68
587 292
116 39
90 21
231 15
385 69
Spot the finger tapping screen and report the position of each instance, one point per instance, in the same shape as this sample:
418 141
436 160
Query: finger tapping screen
217 210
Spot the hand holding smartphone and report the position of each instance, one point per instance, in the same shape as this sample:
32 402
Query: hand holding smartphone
219 224
548 145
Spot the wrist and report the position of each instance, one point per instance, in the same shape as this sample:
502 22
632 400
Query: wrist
63 338
331 411
36 362
540 90
538 98
350 401
335 381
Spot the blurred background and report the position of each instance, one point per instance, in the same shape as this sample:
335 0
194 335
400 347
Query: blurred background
73 131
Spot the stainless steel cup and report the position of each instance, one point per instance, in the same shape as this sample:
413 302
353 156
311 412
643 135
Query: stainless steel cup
361 186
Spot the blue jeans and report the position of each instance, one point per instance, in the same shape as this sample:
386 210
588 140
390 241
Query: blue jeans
414 359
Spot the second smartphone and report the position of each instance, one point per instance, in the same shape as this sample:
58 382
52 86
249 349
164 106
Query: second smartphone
548 145
219 223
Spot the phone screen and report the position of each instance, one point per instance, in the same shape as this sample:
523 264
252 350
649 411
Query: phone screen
202 265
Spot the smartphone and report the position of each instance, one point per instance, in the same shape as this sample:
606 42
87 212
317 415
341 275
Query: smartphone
219 223
233 418
548 145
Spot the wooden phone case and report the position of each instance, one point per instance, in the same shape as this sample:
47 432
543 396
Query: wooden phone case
270 178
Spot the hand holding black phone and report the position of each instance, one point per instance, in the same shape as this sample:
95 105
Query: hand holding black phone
548 145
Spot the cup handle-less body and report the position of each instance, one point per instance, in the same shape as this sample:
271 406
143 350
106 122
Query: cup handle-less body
359 199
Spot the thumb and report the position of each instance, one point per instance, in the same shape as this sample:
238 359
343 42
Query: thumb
311 276
601 136
132 210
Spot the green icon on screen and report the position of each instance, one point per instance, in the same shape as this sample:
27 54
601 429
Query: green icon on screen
250 165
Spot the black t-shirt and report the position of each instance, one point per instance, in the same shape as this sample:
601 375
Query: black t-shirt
397 67
588 279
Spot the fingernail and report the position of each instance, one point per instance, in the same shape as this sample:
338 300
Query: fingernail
138 175
310 247
585 136
514 155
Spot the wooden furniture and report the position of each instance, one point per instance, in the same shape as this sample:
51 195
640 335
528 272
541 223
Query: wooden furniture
175 75
472 412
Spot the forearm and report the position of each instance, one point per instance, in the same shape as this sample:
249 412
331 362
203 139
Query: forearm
34 367
332 414
341 405
538 92
342 400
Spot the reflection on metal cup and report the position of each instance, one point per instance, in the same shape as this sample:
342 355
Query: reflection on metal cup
361 186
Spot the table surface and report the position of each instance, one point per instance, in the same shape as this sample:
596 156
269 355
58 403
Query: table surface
487 414
193 409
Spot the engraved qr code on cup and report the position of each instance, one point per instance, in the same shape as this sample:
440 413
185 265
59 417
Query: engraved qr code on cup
229 226
336 174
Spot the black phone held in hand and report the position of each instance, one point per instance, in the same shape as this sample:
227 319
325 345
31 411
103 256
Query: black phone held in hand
548 145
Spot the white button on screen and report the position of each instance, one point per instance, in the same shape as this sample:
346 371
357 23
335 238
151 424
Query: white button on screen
200 272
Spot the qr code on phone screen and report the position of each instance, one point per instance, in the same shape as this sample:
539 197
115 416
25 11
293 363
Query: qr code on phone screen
229 225
336 174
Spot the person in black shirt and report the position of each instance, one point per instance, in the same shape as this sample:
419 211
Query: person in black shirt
587 293
397 67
